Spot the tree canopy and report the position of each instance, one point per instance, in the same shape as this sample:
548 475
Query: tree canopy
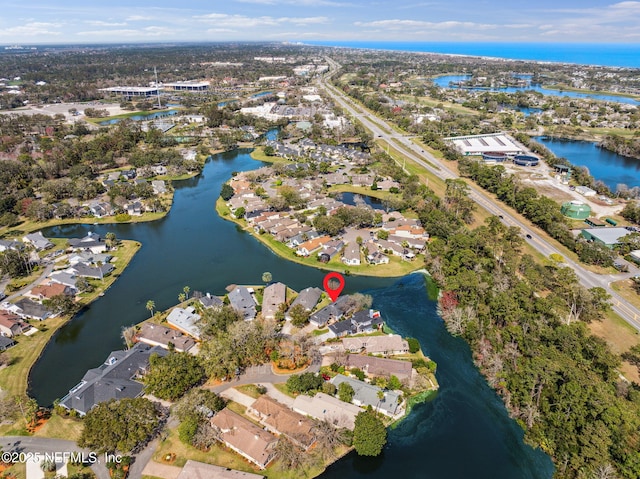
369 434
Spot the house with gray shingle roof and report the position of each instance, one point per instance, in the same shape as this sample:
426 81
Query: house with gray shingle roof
366 394
242 301
114 379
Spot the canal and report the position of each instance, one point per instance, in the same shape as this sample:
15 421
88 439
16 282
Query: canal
464 432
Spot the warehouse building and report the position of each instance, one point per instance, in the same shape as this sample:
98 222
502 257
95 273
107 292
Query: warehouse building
609 237
493 143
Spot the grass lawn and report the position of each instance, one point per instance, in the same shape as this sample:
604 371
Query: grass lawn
282 387
396 267
61 427
620 336
250 390
625 289
258 154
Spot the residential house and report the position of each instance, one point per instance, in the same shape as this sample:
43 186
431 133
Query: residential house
241 299
134 208
363 180
327 408
158 335
251 442
83 270
273 296
395 248
209 301
280 420
38 241
100 209
159 187
65 278
186 320
116 378
366 321
388 345
91 242
6 245
380 367
351 255
377 258
6 343
28 309
341 328
366 394
308 298
200 470
308 247
88 257
333 312
11 325
48 290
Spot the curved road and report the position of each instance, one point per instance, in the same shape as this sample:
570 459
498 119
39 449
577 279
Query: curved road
630 313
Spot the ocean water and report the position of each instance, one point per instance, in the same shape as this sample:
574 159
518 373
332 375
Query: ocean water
607 54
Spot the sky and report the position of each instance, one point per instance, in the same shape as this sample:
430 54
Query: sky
122 21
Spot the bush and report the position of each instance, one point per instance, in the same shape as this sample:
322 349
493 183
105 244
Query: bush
123 217
187 430
414 345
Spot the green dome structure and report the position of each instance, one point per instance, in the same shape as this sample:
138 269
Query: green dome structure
576 210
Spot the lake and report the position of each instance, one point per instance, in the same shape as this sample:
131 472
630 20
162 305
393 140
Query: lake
150 116
464 432
603 164
444 82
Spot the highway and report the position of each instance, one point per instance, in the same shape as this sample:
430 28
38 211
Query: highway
383 131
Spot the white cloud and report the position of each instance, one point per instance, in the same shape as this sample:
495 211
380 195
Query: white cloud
100 23
147 32
399 25
31 29
298 3
224 20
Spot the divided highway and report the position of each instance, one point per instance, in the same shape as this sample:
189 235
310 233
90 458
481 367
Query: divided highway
381 130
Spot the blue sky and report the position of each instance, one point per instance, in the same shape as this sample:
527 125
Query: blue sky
120 21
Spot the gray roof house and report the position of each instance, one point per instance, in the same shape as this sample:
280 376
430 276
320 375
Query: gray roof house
159 187
375 366
38 241
351 255
327 408
10 244
95 272
91 242
332 312
64 277
28 309
274 295
308 298
366 394
114 379
241 300
185 320
210 301
6 343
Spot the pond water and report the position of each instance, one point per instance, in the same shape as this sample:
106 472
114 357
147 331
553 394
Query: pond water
448 81
603 165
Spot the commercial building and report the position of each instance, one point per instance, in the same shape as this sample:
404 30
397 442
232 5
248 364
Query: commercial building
130 91
609 237
494 143
190 85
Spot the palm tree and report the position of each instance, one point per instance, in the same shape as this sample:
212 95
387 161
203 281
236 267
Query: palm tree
182 297
186 290
267 277
151 305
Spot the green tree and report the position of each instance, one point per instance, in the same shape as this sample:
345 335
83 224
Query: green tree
299 315
345 392
173 375
119 425
227 192
369 434
267 277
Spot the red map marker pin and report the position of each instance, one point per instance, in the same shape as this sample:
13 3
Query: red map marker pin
333 278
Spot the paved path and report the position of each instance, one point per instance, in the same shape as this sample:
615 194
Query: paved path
234 395
51 446
260 375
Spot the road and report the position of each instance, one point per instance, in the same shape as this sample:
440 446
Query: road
43 445
383 131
